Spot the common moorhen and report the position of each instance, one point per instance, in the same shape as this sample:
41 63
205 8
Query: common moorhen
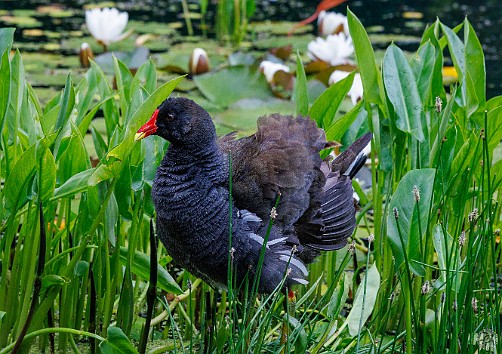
315 212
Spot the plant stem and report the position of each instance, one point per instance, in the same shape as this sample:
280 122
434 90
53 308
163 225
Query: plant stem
38 281
152 287
186 15
39 332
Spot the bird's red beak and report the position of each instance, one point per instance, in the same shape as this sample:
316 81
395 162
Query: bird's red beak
149 128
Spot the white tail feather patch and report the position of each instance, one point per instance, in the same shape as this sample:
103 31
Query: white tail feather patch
256 238
301 281
277 240
295 262
248 216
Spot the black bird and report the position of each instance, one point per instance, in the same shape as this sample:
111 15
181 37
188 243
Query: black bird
316 210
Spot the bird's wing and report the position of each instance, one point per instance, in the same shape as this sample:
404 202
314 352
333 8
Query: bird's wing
335 221
281 159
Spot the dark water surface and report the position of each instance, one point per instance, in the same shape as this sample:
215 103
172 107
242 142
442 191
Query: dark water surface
408 18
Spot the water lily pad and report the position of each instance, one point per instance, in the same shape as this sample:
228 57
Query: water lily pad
45 94
53 35
184 86
298 42
33 32
24 13
172 61
55 11
50 78
51 47
133 59
21 21
241 58
152 27
43 61
242 115
280 27
232 84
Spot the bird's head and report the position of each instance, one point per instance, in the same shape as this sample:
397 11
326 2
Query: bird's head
180 121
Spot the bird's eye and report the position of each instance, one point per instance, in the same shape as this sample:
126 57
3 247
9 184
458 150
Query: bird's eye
170 117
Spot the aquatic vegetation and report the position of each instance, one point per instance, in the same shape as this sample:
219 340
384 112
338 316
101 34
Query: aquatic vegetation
269 68
421 274
332 23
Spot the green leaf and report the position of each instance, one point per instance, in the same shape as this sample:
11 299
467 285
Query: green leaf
370 75
17 182
86 121
4 87
51 280
494 128
456 50
422 65
125 310
124 149
443 245
105 172
364 301
75 184
146 76
229 85
402 92
340 125
338 297
72 155
141 267
123 79
65 104
429 36
407 224
17 94
325 107
6 39
116 343
301 341
463 157
475 73
301 90
46 175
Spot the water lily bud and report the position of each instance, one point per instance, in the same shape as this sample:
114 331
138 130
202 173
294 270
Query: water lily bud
269 68
332 23
86 55
199 62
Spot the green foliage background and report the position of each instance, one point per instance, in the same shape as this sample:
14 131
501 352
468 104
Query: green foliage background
74 233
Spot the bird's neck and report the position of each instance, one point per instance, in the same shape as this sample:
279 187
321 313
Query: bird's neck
208 160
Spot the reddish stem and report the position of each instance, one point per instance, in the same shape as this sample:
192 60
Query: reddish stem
324 5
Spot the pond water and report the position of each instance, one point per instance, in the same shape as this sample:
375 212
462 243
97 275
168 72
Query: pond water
405 20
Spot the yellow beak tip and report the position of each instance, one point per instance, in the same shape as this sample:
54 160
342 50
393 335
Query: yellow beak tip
139 136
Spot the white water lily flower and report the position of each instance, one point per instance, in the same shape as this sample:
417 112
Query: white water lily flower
332 23
335 49
269 68
356 91
106 25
